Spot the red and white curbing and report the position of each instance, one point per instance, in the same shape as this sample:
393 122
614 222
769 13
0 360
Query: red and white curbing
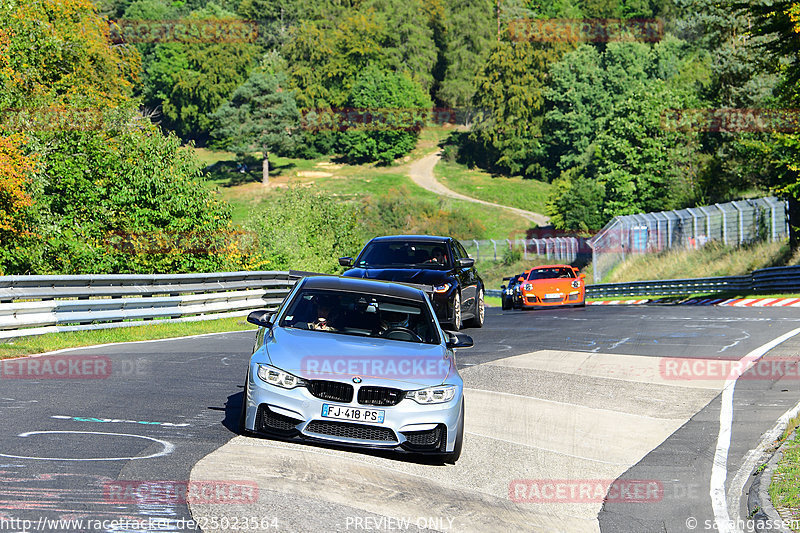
735 302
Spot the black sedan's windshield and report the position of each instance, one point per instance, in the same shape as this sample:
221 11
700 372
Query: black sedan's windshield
404 255
365 315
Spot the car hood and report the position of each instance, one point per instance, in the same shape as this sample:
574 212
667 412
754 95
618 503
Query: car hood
419 276
550 285
380 362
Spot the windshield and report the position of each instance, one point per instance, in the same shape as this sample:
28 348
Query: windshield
363 315
404 255
550 273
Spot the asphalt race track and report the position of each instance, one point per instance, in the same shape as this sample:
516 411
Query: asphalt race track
596 419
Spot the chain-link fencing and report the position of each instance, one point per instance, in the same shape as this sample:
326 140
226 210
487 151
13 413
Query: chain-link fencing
732 223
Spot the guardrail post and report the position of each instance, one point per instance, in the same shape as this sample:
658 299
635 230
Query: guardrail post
741 222
774 229
494 244
724 224
477 250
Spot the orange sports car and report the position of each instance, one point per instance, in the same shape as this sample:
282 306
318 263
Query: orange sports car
551 286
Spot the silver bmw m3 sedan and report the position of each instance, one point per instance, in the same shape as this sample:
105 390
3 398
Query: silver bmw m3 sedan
356 362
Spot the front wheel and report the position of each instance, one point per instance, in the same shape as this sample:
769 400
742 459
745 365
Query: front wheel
457 323
453 456
480 311
243 413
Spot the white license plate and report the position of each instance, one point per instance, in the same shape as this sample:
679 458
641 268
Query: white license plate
352 413
554 295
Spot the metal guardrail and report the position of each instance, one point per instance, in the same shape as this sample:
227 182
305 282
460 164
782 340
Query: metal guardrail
767 280
34 305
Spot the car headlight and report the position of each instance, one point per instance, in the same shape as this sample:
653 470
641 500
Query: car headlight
279 378
528 287
440 394
441 288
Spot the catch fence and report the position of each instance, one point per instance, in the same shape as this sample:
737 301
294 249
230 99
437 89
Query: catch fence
732 223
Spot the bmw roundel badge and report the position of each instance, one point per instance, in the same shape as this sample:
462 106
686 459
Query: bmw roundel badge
356 379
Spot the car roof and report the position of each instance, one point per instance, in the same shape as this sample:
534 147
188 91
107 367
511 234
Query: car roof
403 238
368 286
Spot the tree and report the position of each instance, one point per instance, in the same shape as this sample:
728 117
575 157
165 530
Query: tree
408 38
325 57
470 32
510 93
394 109
777 23
260 116
59 53
191 80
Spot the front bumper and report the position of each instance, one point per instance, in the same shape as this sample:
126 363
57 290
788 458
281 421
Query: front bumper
443 306
531 300
297 414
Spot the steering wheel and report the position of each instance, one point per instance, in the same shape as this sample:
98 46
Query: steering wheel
399 333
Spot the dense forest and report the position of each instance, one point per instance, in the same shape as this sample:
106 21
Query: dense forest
625 106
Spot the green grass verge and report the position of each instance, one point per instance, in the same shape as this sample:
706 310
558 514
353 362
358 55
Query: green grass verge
515 191
714 259
57 341
243 191
784 489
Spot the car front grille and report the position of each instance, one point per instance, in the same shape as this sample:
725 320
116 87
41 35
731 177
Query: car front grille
551 300
381 396
352 431
331 390
269 422
431 439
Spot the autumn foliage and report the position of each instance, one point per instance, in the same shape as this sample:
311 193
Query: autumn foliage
14 180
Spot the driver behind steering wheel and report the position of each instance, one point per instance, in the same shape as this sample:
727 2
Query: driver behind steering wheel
391 320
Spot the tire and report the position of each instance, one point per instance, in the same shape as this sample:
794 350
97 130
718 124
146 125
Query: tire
457 322
480 311
453 456
504 306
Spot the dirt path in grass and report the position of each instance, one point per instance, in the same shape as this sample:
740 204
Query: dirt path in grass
421 173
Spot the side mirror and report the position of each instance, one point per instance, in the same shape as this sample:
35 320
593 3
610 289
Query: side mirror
583 276
458 340
520 279
345 261
465 262
262 318
502 287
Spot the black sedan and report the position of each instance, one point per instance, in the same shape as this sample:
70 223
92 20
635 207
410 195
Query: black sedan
438 262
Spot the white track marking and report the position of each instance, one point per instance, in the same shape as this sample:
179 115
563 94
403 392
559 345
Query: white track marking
719 469
167 447
752 458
